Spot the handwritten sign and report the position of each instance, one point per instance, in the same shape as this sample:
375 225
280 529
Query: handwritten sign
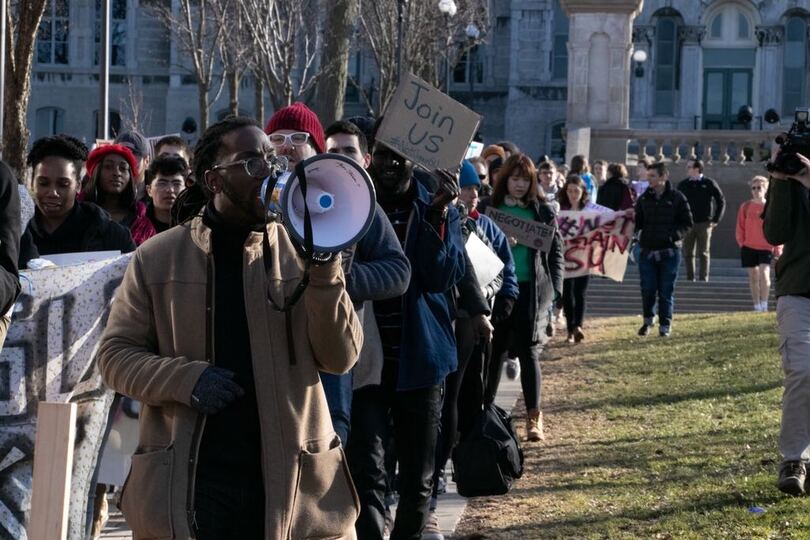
527 232
596 243
49 355
427 126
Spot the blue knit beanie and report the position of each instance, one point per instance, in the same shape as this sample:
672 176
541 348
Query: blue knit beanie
468 175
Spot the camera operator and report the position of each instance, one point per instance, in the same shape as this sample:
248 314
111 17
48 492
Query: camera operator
787 221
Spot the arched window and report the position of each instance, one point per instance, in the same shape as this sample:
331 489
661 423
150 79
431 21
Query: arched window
795 65
730 24
49 121
666 65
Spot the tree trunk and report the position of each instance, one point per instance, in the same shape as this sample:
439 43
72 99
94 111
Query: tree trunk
19 59
233 90
340 18
258 86
202 100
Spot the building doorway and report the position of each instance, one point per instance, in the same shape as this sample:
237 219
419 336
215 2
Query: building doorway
725 90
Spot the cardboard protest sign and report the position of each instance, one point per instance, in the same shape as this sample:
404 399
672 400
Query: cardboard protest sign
49 355
527 232
596 243
427 126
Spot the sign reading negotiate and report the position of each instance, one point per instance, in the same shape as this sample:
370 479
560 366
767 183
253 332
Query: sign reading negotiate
427 126
528 233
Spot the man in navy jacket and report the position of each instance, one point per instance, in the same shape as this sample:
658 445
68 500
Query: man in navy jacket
418 349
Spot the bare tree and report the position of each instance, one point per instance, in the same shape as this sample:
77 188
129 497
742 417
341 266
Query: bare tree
430 39
135 116
235 51
285 38
23 21
199 28
341 17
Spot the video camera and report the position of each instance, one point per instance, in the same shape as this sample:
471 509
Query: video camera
796 141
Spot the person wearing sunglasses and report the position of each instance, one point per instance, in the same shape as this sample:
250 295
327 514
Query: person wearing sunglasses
295 133
756 253
235 433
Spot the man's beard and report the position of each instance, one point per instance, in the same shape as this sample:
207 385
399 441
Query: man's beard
249 205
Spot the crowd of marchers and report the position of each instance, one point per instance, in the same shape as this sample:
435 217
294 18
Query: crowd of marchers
263 418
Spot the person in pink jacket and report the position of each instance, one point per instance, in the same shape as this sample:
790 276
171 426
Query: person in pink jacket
755 252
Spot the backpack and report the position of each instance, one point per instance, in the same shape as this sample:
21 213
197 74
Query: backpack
489 458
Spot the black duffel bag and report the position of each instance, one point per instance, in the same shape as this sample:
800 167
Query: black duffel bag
489 458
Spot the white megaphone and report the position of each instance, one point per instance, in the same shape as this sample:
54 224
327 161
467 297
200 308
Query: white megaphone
340 197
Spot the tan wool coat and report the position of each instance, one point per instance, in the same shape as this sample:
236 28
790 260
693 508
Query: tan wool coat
159 339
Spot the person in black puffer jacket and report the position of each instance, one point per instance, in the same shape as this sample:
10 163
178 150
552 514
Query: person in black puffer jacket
663 218
708 205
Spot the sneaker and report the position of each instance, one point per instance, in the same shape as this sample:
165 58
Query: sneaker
763 306
512 368
792 475
579 335
664 331
644 330
570 337
757 307
550 330
432 530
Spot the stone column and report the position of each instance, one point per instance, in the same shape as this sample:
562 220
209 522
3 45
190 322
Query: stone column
642 87
691 75
769 65
599 49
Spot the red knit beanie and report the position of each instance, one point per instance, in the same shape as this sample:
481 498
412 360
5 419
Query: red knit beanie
100 152
300 118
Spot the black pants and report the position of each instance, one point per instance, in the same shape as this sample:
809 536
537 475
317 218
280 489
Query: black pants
515 335
574 290
416 425
465 342
229 508
471 394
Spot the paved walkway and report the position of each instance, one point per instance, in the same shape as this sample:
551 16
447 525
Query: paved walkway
451 504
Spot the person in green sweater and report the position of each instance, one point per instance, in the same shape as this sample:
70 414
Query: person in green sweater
787 221
540 278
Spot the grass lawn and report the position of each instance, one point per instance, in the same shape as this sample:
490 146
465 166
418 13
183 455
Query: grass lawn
654 438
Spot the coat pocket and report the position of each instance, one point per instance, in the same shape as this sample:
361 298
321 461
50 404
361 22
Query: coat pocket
325 503
146 497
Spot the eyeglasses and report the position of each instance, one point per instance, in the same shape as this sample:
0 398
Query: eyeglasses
256 167
482 177
295 139
176 185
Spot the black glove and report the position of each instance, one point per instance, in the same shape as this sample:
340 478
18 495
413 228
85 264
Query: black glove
448 188
215 390
502 309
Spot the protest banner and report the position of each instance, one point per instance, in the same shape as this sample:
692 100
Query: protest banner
528 233
49 355
426 126
596 242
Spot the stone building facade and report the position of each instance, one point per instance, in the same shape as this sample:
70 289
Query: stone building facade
705 59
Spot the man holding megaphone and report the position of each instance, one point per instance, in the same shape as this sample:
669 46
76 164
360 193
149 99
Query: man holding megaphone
235 437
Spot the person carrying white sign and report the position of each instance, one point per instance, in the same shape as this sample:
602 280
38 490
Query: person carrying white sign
574 196
540 279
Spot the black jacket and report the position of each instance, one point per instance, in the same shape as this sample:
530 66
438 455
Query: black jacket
87 228
663 221
9 239
616 194
705 199
547 271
